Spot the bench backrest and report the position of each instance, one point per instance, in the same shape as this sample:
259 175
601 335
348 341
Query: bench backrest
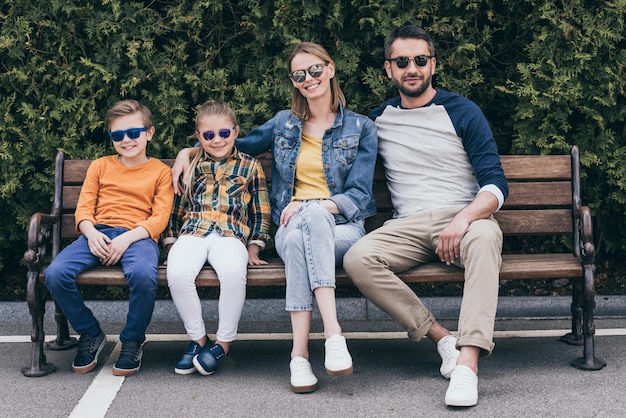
544 194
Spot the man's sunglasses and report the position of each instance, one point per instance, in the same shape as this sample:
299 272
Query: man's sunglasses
132 133
224 133
420 60
314 71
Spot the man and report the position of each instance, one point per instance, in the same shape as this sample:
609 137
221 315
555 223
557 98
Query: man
446 181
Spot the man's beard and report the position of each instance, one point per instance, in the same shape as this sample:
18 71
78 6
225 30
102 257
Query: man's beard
413 92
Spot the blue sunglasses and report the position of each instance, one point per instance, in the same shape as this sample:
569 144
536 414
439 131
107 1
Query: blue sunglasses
132 133
224 133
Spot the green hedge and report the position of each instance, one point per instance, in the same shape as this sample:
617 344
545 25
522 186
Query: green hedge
547 75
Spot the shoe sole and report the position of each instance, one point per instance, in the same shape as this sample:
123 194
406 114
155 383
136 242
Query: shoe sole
461 402
185 371
199 368
339 373
304 389
89 367
125 372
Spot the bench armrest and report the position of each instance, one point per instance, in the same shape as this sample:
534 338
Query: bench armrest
587 247
39 234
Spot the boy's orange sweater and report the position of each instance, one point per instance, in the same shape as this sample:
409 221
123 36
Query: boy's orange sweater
120 196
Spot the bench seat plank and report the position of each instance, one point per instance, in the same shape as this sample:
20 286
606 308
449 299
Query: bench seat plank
514 267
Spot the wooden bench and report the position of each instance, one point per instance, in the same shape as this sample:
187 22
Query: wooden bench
544 200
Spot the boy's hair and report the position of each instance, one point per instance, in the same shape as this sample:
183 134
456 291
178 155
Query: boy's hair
207 110
127 107
299 104
408 32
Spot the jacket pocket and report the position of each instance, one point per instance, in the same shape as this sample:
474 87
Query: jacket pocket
345 149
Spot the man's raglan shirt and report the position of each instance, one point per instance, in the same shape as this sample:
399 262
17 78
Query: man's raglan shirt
439 155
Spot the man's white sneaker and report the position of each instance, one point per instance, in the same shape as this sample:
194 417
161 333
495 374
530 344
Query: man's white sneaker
463 388
446 347
302 378
338 361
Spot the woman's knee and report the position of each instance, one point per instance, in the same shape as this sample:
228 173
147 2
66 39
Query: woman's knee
317 216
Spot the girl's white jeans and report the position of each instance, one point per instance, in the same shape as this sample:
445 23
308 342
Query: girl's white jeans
229 258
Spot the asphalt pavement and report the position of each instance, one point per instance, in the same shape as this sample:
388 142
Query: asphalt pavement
528 375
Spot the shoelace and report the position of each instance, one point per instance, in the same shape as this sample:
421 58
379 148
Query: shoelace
301 367
130 350
334 347
462 381
448 352
87 344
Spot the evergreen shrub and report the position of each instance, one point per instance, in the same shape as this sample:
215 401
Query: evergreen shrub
547 74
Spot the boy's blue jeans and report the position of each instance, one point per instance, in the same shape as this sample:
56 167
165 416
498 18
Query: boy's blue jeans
140 266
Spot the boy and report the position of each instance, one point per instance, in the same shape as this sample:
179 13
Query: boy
123 207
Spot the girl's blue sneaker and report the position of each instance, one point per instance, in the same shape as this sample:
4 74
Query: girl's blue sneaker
209 359
185 364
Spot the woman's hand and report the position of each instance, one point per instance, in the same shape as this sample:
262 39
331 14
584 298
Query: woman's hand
291 209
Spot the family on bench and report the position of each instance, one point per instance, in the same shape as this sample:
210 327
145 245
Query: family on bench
217 205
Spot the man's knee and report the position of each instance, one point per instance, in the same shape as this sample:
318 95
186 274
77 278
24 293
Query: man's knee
355 262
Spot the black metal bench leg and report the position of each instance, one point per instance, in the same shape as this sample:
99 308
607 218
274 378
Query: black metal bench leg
589 361
36 298
63 341
576 336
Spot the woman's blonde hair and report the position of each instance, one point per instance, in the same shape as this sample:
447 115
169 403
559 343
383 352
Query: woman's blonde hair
299 103
207 110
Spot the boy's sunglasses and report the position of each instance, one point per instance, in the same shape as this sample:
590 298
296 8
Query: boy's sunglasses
132 133
224 133
403 62
314 70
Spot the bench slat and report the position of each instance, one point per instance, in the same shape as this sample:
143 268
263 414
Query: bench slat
514 267
535 222
537 167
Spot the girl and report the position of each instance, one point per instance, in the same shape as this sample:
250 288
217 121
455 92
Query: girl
222 217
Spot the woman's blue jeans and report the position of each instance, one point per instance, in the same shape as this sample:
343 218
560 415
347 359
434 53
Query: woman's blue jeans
311 246
140 265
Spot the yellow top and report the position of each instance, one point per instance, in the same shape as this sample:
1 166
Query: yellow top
310 181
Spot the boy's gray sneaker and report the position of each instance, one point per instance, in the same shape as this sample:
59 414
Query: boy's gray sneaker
129 361
89 349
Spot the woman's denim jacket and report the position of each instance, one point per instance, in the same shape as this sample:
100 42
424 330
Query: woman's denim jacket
349 150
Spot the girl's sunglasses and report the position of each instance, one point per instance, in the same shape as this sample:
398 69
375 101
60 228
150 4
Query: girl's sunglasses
314 71
224 133
132 133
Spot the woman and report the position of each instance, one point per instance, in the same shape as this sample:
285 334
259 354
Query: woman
321 192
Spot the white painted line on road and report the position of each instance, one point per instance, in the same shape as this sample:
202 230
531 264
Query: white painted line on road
277 336
102 391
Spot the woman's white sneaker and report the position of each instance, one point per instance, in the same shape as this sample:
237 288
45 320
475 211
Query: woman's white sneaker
302 378
338 361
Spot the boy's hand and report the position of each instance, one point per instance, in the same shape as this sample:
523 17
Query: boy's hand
117 248
98 244
253 255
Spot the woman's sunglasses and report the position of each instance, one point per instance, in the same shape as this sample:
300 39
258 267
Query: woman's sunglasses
224 133
403 62
132 133
314 71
